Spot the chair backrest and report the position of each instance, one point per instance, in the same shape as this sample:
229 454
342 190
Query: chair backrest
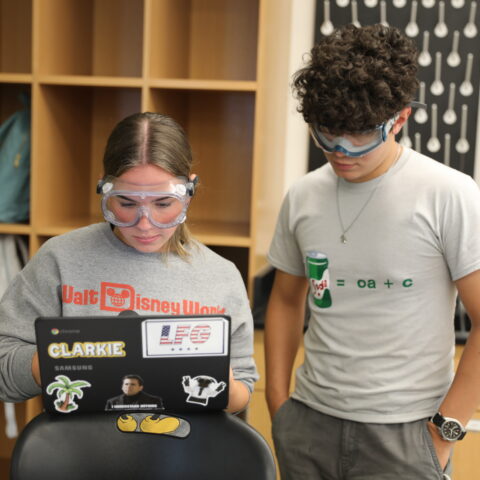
206 446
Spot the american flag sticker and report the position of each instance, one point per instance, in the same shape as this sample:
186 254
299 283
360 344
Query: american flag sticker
182 337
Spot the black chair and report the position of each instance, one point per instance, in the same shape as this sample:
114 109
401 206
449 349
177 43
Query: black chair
202 446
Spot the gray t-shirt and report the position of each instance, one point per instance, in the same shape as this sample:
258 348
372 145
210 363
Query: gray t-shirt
381 348
90 271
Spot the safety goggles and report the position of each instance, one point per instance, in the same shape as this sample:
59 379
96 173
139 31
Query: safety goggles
356 144
352 145
164 205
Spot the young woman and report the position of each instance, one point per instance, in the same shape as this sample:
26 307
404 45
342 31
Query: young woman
142 259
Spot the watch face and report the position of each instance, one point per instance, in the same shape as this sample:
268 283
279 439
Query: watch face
451 430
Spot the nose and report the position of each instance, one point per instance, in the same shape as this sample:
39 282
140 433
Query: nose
144 222
338 154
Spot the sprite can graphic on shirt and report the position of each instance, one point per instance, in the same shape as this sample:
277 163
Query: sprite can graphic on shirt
319 278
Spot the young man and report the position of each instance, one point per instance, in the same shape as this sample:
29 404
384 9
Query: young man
381 239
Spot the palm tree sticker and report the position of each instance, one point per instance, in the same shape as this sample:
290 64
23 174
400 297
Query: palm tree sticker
67 390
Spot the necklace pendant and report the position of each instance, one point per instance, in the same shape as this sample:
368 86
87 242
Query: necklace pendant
343 239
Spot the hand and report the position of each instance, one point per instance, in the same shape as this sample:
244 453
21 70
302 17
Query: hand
36 369
443 448
238 395
275 403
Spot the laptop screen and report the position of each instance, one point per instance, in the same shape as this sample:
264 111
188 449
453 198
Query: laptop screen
134 363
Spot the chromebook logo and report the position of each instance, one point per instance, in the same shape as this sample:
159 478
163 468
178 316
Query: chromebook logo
55 331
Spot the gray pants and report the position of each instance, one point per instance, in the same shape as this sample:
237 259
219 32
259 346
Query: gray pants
313 446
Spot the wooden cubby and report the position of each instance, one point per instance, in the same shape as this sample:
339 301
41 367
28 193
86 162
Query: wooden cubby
203 39
219 125
86 64
73 123
15 37
10 98
90 37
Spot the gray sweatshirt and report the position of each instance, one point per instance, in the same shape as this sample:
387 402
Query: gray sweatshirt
90 271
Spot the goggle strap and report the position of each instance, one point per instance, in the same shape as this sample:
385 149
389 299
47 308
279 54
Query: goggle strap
192 185
388 126
415 104
100 185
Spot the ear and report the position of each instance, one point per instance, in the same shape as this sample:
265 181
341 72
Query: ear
402 118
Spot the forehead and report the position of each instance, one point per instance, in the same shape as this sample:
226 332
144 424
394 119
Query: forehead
147 180
131 381
146 175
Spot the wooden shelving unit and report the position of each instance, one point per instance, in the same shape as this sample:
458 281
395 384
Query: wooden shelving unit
86 64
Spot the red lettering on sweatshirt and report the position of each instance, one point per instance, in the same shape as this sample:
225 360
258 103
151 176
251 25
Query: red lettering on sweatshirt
79 297
116 297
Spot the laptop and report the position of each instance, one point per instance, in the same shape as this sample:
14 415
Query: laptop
153 363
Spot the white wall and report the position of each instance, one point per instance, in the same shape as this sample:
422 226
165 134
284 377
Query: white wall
282 143
301 41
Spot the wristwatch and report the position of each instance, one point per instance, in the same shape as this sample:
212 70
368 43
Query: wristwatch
450 429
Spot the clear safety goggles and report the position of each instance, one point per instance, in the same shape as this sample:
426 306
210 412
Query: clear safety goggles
164 205
356 144
352 145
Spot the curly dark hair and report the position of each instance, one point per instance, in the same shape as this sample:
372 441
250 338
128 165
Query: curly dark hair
357 78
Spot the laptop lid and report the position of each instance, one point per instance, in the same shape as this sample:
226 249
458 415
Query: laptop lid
130 362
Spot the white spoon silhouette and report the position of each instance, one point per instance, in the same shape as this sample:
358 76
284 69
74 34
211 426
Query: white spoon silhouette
421 115
425 59
446 151
428 3
441 29
342 3
466 87
450 117
383 13
437 88
399 3
462 145
453 59
412 28
355 14
326 28
457 3
470 29
370 3
433 144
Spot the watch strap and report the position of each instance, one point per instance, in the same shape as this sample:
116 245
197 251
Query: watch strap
437 420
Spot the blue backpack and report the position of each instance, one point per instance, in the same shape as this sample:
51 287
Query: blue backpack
15 165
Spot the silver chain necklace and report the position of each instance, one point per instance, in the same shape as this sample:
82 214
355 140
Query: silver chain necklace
343 236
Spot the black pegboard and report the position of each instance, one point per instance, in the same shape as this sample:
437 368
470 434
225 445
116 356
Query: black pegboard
456 15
